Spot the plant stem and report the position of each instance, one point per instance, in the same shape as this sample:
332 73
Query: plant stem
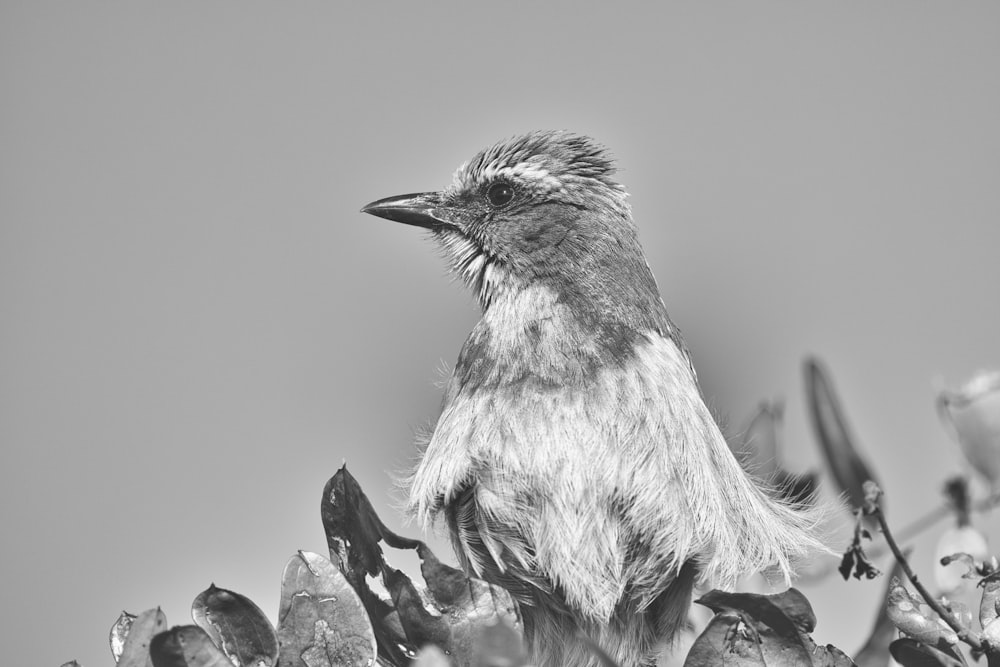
917 526
967 635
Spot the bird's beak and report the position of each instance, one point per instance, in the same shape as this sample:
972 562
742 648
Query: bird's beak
423 210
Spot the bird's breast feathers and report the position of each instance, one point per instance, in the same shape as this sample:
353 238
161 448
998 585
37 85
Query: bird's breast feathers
537 394
592 458
555 432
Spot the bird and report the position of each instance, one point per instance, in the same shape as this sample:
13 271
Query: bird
574 460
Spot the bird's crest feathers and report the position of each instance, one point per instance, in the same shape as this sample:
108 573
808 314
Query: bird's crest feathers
550 160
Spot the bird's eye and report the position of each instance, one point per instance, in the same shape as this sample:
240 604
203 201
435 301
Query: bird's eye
500 194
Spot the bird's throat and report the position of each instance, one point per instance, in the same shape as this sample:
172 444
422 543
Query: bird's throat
532 335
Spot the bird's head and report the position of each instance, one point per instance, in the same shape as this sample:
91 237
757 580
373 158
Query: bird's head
538 209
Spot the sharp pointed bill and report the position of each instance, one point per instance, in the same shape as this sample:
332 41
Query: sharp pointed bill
467 252
422 209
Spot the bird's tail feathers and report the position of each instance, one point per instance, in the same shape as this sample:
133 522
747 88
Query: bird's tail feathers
750 527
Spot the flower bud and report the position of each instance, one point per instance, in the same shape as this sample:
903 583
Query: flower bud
972 414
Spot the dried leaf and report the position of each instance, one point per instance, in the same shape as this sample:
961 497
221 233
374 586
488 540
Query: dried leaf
118 633
449 611
186 646
237 626
912 653
145 626
848 468
910 614
856 562
321 621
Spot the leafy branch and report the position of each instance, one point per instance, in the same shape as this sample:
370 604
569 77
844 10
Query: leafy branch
873 509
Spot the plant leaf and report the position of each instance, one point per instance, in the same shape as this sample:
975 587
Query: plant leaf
786 612
118 633
726 641
135 648
237 626
186 646
989 604
449 610
910 614
848 468
911 653
772 630
321 621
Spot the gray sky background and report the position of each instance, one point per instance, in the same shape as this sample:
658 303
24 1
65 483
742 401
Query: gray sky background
198 326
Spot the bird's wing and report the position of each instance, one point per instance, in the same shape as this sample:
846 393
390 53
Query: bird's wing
493 552
674 334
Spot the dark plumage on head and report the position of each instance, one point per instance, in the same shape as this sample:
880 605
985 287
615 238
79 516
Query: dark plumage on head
529 208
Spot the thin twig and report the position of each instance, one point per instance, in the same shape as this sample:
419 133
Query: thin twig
970 637
917 526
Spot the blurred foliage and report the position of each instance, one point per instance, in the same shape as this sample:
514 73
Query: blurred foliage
843 459
354 609
972 415
759 451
